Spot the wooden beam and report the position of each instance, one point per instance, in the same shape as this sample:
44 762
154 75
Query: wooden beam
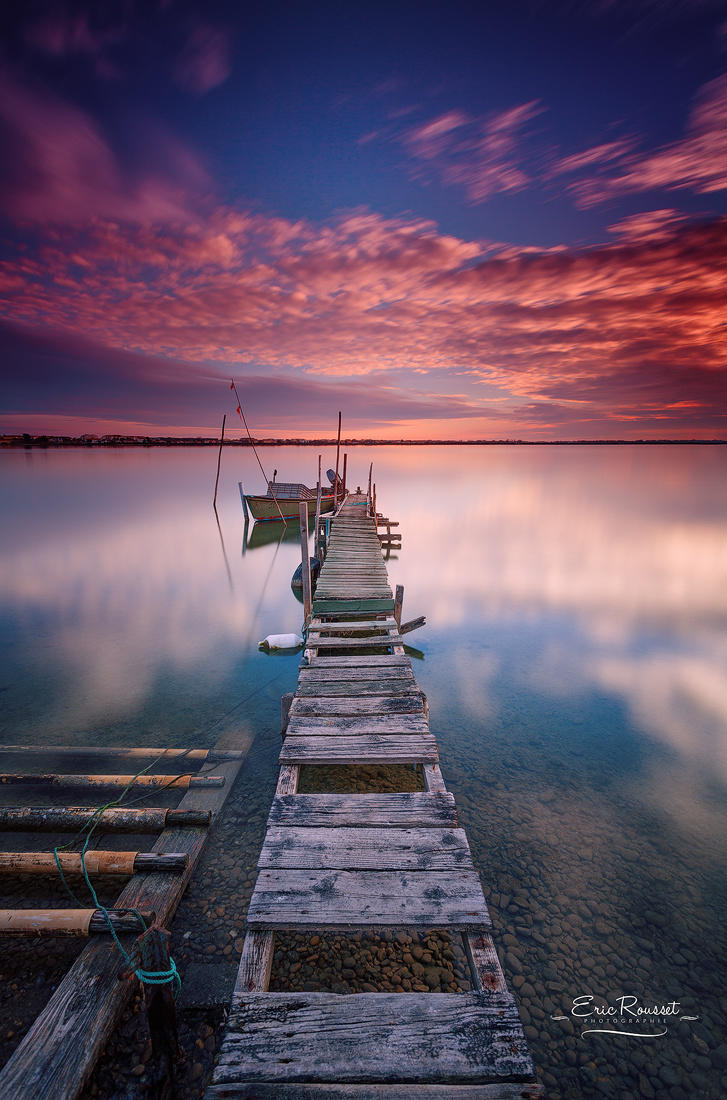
97 862
70 819
59 1050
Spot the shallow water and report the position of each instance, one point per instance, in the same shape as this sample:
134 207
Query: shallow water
574 657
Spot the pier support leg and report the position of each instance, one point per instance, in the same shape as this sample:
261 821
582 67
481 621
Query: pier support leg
305 562
285 704
398 603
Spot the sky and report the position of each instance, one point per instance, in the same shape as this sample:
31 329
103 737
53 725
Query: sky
449 221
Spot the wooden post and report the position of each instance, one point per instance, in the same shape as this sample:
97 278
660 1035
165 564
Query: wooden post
368 494
318 510
398 603
338 449
286 703
305 561
374 500
244 502
345 461
219 459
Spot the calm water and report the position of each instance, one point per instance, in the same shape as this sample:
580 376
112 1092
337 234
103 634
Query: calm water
574 659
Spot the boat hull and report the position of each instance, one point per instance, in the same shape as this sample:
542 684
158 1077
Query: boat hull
265 508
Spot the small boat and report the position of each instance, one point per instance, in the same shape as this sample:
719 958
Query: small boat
289 496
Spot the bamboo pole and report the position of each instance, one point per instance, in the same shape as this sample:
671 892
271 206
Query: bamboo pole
211 756
305 562
68 922
97 862
70 819
219 459
254 449
338 448
54 779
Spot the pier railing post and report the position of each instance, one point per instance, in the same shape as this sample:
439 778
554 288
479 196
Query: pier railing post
305 561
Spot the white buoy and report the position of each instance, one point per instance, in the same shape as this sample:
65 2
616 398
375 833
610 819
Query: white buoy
281 641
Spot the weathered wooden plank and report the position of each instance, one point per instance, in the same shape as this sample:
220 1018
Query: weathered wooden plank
372 849
484 963
403 748
322 673
60 1048
377 661
407 703
355 899
321 689
339 725
287 779
256 960
342 626
346 591
338 606
280 1090
408 1038
409 809
433 780
334 642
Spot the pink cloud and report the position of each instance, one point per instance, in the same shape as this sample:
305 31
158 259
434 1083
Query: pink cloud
697 162
620 331
62 168
204 63
483 156
647 226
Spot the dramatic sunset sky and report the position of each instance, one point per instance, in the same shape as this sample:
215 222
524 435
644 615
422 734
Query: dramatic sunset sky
448 220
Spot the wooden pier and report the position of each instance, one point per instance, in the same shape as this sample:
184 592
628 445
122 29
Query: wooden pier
334 862
58 1052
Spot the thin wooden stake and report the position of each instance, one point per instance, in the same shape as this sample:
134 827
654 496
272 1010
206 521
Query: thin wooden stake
345 461
305 561
219 459
318 509
245 511
338 448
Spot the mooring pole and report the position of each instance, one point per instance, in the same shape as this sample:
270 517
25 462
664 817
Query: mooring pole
345 461
305 561
338 448
219 459
318 511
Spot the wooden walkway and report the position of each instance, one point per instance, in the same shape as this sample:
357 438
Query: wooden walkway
333 862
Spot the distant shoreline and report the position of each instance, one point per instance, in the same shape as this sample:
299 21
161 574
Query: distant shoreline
46 441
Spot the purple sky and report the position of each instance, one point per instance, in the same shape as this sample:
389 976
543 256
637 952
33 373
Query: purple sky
449 221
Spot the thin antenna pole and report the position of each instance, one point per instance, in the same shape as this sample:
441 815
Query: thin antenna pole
242 418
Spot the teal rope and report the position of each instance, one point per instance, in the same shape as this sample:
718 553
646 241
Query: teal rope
147 977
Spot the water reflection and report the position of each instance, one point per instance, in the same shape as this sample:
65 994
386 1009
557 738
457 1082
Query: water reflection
576 600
